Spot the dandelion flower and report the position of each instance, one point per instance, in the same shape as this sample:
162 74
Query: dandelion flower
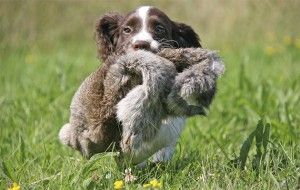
271 50
14 186
155 183
297 43
30 59
287 40
119 184
147 185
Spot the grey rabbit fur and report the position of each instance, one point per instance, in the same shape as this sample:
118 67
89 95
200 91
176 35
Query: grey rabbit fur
122 104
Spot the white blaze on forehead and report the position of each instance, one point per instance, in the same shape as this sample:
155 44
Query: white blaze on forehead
143 34
143 13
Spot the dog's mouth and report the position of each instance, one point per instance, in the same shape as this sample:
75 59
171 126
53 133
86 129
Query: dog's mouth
153 50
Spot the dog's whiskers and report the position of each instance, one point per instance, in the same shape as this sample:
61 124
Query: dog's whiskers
169 42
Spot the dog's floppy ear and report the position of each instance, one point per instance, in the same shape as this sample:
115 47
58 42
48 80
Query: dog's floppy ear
106 34
185 36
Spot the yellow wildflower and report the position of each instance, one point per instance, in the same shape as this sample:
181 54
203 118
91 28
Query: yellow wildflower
297 43
14 186
287 40
119 184
147 185
271 50
30 59
153 183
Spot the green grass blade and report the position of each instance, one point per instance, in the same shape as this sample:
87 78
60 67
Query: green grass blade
259 140
6 170
245 150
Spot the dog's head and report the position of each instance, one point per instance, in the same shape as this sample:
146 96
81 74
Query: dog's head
145 28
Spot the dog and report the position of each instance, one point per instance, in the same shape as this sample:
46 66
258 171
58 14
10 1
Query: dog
132 100
145 28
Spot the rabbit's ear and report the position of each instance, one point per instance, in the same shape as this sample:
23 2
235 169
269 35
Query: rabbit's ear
107 34
185 36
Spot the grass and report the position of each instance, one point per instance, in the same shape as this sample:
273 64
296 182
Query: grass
47 49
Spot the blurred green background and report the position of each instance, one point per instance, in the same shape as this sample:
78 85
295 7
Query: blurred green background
47 48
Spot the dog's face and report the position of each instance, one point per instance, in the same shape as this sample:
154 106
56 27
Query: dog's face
145 28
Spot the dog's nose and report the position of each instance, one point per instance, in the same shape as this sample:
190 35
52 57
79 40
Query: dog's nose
141 45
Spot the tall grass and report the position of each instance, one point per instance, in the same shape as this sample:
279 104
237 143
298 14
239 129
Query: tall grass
47 48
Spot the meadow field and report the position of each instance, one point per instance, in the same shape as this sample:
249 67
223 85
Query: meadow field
249 140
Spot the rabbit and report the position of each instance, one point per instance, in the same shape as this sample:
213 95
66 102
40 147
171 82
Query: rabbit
192 91
132 94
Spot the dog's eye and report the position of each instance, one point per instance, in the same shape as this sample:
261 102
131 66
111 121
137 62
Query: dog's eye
159 29
127 30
